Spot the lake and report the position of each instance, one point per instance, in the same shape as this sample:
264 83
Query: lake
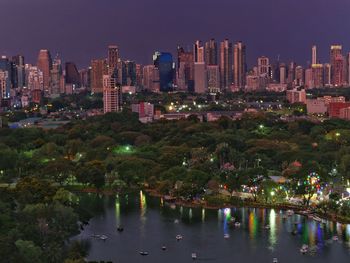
149 224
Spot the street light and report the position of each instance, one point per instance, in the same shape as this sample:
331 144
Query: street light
272 193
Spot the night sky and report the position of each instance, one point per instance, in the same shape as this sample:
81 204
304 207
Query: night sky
81 29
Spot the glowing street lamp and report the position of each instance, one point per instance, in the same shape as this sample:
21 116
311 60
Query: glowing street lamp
272 193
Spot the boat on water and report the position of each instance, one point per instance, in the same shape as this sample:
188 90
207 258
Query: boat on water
95 236
335 238
178 237
103 237
120 228
194 256
275 260
237 224
226 236
304 249
176 221
163 247
143 253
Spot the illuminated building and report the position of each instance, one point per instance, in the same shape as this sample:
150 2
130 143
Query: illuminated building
112 60
98 69
200 77
55 79
163 61
296 96
211 52
213 73
263 66
226 63
335 57
185 70
239 65
3 84
338 71
327 74
314 55
317 75
45 65
112 95
198 52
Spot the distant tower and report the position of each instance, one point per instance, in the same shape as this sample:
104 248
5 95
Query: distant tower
45 65
211 53
112 95
226 60
113 58
72 75
335 54
98 69
263 66
240 66
198 52
163 61
314 55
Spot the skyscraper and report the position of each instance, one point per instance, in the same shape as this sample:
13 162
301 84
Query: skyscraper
185 74
19 63
226 58
317 76
200 77
213 73
112 95
338 71
164 62
198 52
45 65
240 66
327 74
263 66
3 84
211 52
314 55
55 80
336 52
98 67
112 60
5 66
72 75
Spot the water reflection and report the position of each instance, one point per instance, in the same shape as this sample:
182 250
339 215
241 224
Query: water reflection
273 229
253 225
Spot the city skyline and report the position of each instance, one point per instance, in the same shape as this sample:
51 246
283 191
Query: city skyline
80 37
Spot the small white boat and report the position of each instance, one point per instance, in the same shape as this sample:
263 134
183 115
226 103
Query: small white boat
237 224
335 238
267 227
178 237
226 236
96 236
275 260
143 253
194 256
290 212
176 221
163 247
103 237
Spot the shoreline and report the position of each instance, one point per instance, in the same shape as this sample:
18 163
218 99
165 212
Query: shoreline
300 210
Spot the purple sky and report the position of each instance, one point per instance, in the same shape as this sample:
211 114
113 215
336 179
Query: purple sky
81 29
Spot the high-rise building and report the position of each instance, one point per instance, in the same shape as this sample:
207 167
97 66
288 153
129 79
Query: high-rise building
308 78
200 77
239 65
112 95
327 74
283 73
163 61
263 66
211 52
112 60
336 52
314 55
5 66
185 74
139 72
85 77
55 79
317 76
19 63
291 73
35 78
299 76
348 69
149 77
338 70
45 65
98 69
130 67
213 73
72 75
198 52
226 62
3 85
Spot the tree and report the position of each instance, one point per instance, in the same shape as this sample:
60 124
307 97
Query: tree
28 251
